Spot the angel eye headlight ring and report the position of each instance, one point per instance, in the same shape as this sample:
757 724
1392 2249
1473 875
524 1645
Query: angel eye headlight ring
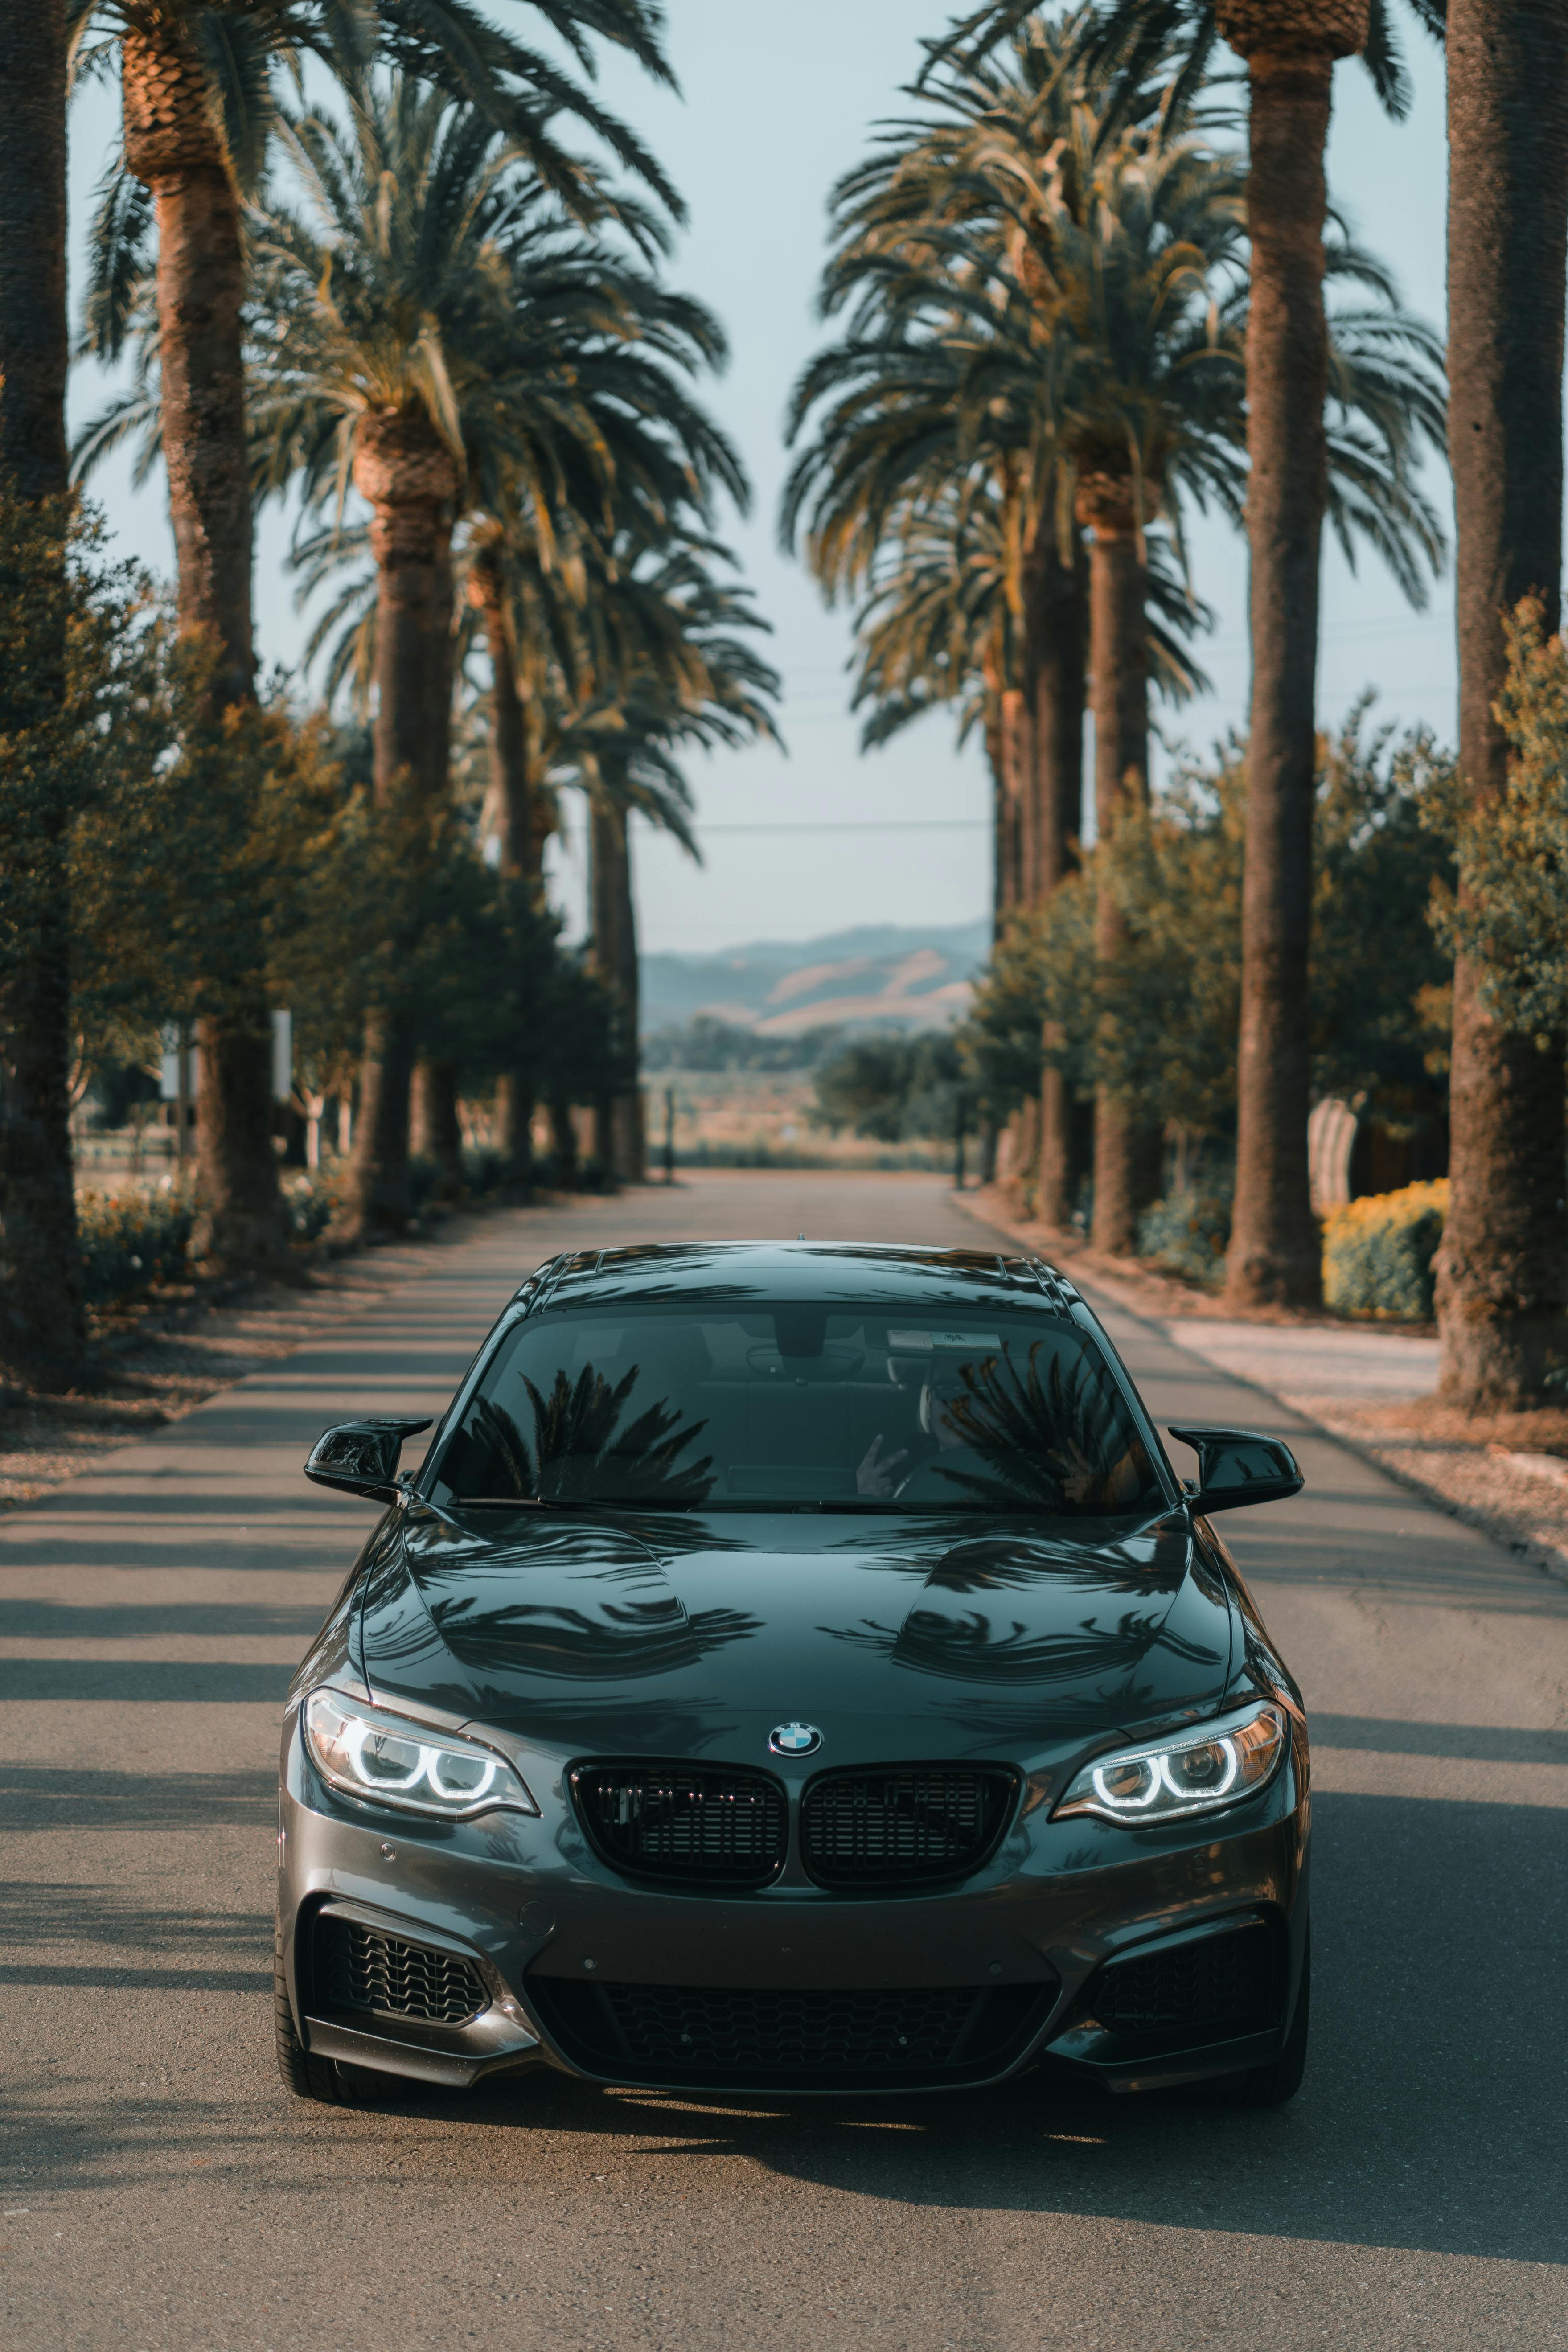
1146 1782
388 1760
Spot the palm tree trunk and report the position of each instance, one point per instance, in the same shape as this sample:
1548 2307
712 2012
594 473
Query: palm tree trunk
1502 1272
1055 630
515 1085
40 1257
1004 822
621 1140
564 1136
409 478
435 1132
1290 46
171 147
1126 1144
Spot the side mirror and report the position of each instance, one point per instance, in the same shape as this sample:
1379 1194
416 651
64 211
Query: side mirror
1236 1466
360 1458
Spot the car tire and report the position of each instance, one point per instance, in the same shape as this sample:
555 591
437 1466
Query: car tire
306 2077
1272 2085
322 2079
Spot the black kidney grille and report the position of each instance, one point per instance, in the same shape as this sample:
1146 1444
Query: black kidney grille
1226 1979
904 1823
685 1824
771 2039
359 1968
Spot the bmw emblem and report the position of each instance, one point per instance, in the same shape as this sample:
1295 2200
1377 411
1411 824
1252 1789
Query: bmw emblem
794 1739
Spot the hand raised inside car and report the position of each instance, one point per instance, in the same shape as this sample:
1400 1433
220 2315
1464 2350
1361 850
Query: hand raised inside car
874 1476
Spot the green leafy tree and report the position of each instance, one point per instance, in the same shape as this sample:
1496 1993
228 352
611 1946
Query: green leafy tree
1158 1029
891 1087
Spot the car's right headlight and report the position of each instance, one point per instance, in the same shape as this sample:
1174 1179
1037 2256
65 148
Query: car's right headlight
386 1758
1196 1771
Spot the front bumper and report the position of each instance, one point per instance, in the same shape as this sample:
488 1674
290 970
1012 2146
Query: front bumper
539 1919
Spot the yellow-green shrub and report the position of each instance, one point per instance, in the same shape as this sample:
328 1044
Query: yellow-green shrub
1378 1252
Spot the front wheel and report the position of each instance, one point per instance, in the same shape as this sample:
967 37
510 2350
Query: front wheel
308 2077
1272 2085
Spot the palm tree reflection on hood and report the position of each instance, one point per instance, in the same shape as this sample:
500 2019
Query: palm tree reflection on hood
581 1453
1059 1440
967 1645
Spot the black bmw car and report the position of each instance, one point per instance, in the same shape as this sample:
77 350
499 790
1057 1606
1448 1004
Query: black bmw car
794 1669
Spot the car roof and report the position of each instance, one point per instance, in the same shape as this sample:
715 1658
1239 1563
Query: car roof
857 1272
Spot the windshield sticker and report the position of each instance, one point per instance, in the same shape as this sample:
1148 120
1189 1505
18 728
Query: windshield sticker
911 1342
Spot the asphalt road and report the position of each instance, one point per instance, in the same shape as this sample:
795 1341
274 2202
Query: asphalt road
158 2187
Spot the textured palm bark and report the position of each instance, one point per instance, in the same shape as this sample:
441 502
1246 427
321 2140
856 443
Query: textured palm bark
563 1137
170 146
1126 1145
1004 826
1055 629
1502 1271
1290 46
1020 853
410 479
510 791
435 1132
619 1139
44 1334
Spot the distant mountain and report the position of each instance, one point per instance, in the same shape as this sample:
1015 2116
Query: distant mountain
877 977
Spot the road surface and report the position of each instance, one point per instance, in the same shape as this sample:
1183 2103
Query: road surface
161 2190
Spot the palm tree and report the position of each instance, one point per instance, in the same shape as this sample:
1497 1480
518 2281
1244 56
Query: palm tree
199 90
1502 1273
1290 48
943 622
46 1329
1081 328
442 336
678 673
935 194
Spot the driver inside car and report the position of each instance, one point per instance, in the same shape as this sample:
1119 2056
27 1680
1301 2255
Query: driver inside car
924 1471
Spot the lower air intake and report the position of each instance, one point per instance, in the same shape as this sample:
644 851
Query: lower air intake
903 1824
769 2039
1218 1981
358 1967
684 1825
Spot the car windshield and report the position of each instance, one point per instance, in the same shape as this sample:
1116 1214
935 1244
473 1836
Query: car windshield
700 1405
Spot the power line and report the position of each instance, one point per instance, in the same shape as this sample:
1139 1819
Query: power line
862 825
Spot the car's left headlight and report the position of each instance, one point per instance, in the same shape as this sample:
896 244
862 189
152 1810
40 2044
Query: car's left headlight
1194 1771
372 1753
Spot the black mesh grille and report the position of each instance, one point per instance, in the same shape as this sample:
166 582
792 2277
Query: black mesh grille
359 1968
771 2039
683 1825
1225 1979
907 1822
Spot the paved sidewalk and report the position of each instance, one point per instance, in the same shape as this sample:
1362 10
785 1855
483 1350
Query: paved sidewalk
1307 1361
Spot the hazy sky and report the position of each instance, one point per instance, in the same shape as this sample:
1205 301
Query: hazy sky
776 103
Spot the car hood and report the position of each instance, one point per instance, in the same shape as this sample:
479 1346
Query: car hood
680 1636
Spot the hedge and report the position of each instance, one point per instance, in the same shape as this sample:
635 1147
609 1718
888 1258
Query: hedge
132 1239
1378 1252
1188 1234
